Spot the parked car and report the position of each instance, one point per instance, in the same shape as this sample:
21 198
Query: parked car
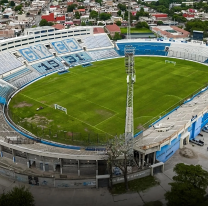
205 128
200 134
197 141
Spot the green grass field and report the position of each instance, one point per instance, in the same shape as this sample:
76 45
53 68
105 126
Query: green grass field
135 30
95 98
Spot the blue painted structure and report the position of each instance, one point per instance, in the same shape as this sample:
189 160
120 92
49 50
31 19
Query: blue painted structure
72 45
41 51
145 48
16 74
48 66
168 150
76 59
2 100
29 54
60 47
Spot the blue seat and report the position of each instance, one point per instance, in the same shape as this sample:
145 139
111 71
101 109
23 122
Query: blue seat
48 66
145 48
76 59
16 74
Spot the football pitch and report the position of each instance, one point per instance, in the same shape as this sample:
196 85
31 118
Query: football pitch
95 98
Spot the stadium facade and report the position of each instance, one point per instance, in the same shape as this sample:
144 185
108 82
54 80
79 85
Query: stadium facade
44 51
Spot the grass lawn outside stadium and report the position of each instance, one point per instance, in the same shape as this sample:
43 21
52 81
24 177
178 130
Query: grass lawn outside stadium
95 98
136 30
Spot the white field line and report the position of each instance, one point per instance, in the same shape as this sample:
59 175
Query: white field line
71 116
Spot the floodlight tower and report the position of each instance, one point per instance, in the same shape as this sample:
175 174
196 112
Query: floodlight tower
131 78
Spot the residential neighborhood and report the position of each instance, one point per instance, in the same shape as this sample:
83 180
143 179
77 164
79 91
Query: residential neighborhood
149 18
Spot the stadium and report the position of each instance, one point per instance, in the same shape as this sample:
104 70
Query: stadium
83 75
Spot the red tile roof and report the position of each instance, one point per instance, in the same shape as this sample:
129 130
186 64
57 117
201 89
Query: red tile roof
58 26
98 30
113 28
81 10
50 17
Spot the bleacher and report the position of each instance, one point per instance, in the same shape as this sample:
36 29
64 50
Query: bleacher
145 48
72 44
16 75
25 79
97 41
90 42
77 58
5 89
41 51
103 54
189 51
60 47
48 66
103 40
29 54
8 62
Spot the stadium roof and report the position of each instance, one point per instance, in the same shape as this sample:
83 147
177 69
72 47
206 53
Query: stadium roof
170 126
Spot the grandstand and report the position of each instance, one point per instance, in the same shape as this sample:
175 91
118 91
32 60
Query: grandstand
96 41
48 66
8 62
41 60
103 54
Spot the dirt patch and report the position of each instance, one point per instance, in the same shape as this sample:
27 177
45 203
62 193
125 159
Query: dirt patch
188 153
70 134
40 120
23 104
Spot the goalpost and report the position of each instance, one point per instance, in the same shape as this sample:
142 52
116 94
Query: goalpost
171 62
60 107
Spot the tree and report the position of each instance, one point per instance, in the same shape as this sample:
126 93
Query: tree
122 7
18 196
81 7
18 8
99 1
44 22
118 23
119 155
105 16
12 3
93 14
189 187
71 7
77 15
159 23
100 24
119 13
142 24
83 23
116 36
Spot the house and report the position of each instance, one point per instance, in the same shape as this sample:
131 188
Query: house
58 26
114 19
159 16
98 30
52 18
112 29
77 22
